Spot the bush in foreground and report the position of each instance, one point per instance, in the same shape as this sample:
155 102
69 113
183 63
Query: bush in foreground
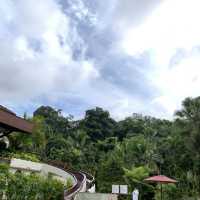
33 187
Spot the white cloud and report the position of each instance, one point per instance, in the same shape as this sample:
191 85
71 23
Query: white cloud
173 25
36 47
132 12
178 82
79 10
37 42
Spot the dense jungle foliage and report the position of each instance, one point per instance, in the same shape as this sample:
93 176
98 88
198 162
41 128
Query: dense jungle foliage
20 186
121 152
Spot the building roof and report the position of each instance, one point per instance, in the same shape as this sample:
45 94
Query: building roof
11 122
6 109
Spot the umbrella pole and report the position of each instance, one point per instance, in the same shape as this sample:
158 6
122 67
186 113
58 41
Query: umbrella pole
161 191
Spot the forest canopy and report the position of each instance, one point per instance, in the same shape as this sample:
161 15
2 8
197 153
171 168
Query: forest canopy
120 152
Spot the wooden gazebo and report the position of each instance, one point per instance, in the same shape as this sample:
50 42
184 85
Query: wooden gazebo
10 122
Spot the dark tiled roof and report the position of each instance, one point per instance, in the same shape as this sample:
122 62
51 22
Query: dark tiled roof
10 121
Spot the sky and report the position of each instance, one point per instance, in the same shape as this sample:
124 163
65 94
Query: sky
130 56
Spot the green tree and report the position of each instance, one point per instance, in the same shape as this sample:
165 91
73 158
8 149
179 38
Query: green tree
135 178
98 124
189 120
110 172
55 122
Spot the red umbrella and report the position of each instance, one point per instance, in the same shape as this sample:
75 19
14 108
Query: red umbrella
160 179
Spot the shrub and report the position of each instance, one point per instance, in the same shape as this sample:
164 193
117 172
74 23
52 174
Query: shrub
32 187
22 155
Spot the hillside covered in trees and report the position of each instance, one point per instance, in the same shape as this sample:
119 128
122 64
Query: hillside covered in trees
120 152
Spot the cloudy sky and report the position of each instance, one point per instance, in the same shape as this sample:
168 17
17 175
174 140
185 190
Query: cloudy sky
125 56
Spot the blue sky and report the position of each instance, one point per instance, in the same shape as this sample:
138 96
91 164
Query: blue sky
130 56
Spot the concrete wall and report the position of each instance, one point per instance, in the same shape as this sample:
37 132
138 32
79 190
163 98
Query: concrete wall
25 165
40 168
61 174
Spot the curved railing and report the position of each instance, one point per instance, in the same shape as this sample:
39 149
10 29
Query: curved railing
90 179
82 180
78 176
